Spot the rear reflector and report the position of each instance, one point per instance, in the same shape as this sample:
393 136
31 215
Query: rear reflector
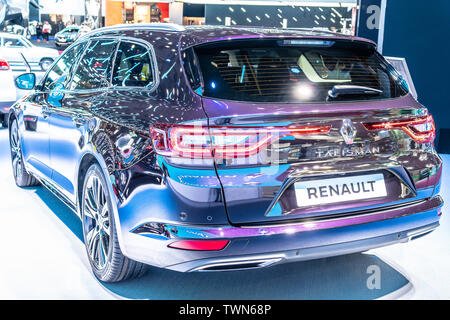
223 142
421 129
199 245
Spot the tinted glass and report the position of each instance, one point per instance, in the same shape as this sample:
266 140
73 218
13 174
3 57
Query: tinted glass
294 71
60 73
192 68
94 69
133 66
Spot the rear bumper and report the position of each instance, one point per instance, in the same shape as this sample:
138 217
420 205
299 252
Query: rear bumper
301 254
259 246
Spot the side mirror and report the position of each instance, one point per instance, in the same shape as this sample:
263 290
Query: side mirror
26 81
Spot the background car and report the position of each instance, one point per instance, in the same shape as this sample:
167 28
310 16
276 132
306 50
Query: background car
68 35
7 91
12 46
18 29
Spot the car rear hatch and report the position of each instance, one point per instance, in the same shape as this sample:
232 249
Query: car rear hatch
323 128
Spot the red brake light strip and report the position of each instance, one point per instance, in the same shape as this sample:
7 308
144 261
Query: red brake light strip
261 136
407 126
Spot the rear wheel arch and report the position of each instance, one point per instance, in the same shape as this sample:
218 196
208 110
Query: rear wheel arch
87 160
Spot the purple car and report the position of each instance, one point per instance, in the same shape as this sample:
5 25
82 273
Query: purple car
222 148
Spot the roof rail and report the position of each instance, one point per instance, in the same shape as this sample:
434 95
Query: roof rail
156 26
312 30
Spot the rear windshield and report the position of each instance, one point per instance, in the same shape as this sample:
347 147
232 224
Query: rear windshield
294 70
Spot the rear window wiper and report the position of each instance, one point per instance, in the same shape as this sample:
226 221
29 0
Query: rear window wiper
340 90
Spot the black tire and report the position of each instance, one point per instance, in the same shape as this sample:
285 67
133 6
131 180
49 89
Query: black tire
98 221
4 120
45 63
21 176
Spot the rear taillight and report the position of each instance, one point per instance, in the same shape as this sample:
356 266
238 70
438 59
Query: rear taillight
221 142
4 65
421 129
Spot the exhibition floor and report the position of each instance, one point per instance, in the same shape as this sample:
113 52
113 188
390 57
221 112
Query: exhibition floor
43 257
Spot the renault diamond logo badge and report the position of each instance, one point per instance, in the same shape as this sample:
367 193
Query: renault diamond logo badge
348 131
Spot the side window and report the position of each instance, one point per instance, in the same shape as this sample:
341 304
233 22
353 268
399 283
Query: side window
192 69
94 69
60 73
13 43
133 66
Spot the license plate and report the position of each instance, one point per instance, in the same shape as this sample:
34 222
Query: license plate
343 189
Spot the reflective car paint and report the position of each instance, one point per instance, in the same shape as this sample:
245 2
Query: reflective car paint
212 198
420 161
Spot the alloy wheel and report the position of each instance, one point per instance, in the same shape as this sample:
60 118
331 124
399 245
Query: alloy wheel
97 227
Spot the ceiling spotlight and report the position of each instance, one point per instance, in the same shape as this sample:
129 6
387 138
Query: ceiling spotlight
303 91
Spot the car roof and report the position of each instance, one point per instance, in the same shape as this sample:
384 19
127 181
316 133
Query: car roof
193 35
164 27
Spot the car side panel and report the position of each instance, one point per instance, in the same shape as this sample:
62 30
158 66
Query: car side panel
34 129
69 129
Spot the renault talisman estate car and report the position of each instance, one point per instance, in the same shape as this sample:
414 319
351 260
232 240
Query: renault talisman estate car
221 148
